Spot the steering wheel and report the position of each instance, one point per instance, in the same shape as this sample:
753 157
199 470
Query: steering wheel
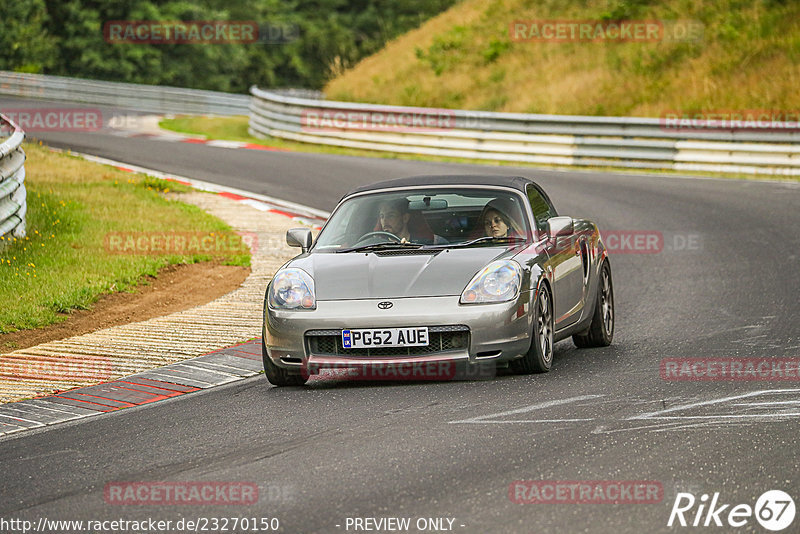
376 234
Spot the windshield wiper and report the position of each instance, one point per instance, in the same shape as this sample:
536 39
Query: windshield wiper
480 241
381 246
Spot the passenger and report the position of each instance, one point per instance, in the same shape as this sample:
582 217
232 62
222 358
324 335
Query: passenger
497 221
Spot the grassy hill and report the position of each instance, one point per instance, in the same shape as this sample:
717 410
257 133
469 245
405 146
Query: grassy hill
747 58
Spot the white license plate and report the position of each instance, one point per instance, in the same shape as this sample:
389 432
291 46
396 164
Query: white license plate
365 338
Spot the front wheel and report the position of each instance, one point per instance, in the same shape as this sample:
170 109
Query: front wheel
601 329
539 357
278 376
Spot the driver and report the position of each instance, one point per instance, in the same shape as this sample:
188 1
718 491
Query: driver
393 216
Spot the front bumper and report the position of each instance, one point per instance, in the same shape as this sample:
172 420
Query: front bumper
495 332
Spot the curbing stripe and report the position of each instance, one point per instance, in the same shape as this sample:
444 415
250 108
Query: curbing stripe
99 408
155 392
181 138
48 405
117 393
37 415
230 364
8 428
211 371
185 372
175 378
231 371
18 421
177 388
233 362
76 394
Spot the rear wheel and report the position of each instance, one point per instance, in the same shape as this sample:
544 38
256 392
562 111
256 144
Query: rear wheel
601 330
539 357
278 376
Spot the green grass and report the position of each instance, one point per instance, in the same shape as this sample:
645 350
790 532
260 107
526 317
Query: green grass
747 56
66 261
229 128
235 129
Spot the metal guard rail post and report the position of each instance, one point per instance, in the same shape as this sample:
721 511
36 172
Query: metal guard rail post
13 205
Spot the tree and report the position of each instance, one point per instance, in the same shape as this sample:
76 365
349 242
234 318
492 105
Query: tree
25 46
322 37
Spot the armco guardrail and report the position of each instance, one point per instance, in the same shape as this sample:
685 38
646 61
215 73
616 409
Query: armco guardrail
643 143
136 97
13 204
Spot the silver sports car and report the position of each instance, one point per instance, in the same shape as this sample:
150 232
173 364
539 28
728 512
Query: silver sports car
414 277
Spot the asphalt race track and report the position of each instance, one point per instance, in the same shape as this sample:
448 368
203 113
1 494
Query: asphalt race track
725 283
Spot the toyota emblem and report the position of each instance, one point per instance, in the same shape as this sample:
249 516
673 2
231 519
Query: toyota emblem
385 305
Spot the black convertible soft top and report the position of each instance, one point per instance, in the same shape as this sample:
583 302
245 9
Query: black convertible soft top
515 182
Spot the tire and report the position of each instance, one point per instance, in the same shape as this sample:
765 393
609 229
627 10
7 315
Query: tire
539 357
278 376
601 329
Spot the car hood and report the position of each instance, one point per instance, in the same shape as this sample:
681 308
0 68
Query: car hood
358 275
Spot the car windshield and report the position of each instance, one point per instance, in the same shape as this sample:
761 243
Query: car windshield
425 218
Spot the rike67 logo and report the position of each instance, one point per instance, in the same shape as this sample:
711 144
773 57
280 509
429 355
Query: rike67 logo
774 510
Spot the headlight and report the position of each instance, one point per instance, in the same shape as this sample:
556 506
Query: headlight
292 289
497 282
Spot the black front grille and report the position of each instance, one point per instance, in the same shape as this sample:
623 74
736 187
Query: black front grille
442 339
406 252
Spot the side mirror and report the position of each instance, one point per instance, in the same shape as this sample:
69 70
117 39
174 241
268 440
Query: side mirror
299 237
560 227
